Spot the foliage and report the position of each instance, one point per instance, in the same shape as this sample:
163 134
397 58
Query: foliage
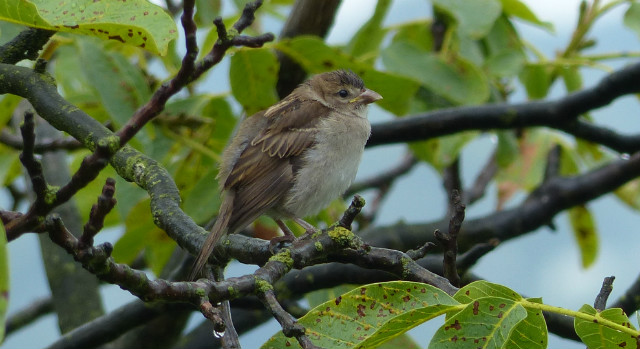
479 314
128 51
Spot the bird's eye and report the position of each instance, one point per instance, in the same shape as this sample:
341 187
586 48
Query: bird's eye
343 93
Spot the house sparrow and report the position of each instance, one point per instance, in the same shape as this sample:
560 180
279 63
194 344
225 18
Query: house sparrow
293 159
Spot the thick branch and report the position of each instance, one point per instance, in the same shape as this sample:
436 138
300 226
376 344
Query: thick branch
561 114
552 197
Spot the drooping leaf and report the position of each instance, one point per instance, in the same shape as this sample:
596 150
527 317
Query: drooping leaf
597 336
506 63
474 18
8 104
519 9
369 315
4 280
134 22
122 88
253 74
202 201
507 150
365 42
88 195
526 170
536 78
632 17
11 166
457 80
441 152
316 57
571 77
584 231
141 235
630 194
206 12
417 33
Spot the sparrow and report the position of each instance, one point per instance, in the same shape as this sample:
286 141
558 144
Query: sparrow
292 159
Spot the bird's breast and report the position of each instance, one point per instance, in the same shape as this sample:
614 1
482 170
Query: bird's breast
329 166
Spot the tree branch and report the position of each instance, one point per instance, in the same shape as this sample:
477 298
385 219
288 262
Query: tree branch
561 114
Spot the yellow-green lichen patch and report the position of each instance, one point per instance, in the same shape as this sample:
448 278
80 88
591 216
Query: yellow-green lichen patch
405 266
341 235
318 246
50 194
233 293
263 286
283 256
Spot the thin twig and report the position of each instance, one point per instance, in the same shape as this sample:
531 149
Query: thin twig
99 210
450 239
350 214
601 299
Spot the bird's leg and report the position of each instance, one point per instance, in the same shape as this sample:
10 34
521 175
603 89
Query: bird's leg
288 234
308 227
287 237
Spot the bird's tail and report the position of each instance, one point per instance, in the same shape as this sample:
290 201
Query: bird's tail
218 230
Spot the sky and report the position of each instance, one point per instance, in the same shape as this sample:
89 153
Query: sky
524 264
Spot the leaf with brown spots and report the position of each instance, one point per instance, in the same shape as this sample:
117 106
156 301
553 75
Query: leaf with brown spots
530 333
370 315
133 22
585 233
597 336
487 322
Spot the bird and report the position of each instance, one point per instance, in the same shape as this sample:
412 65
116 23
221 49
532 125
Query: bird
292 159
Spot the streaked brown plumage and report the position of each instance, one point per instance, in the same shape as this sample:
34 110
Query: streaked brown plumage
292 159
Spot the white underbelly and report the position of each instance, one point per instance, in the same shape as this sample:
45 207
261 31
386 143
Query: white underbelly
329 168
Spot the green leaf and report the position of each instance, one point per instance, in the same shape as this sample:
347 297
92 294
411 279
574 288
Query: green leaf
416 33
403 341
316 57
4 280
133 22
442 151
584 231
630 194
457 80
632 17
121 88
597 336
366 41
137 226
206 12
8 104
253 74
202 201
9 158
88 195
530 333
474 18
572 78
481 289
318 297
487 322
507 150
369 315
518 9
142 235
506 63
536 78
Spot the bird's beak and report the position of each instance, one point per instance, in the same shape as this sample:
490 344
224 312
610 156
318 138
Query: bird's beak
366 97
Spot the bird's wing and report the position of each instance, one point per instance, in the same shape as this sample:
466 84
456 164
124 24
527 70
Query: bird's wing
264 171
